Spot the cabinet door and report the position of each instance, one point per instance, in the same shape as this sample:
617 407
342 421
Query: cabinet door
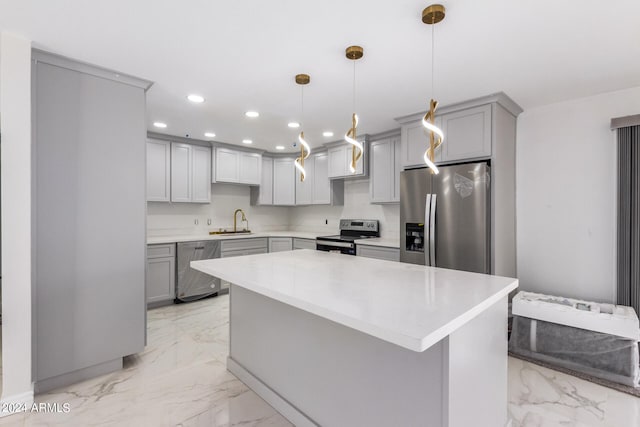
280 244
381 182
304 189
397 167
265 196
415 141
227 165
250 166
201 177
337 165
304 244
321 182
160 281
467 134
377 252
158 171
181 190
348 153
284 185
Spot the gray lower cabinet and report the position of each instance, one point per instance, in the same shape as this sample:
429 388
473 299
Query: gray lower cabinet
304 244
378 252
280 244
160 282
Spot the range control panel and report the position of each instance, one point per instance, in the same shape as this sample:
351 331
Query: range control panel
360 225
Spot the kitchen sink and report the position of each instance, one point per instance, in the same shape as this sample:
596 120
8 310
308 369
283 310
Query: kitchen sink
227 232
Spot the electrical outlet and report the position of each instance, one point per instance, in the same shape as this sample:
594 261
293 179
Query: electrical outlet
209 221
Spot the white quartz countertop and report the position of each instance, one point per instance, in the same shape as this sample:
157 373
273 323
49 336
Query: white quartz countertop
198 237
380 241
409 305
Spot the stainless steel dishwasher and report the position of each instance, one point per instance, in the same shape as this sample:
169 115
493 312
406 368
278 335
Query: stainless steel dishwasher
191 284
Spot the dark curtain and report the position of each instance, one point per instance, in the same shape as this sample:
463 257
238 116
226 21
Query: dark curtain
629 216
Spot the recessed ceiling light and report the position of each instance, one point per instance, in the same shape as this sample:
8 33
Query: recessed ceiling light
279 147
294 125
195 98
327 134
247 141
252 114
210 134
160 125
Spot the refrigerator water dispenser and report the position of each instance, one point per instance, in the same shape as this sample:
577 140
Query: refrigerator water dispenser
415 237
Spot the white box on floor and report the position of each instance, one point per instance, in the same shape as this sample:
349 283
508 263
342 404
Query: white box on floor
610 319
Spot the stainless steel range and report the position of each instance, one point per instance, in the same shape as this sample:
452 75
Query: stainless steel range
350 231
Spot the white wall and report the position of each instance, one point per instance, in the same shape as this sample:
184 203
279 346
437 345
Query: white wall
15 122
178 218
356 205
566 186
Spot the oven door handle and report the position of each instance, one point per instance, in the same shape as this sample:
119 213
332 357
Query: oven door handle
336 244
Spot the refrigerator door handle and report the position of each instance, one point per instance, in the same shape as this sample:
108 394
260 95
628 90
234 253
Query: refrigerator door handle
432 231
427 230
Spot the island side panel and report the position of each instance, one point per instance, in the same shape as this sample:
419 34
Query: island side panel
476 359
332 374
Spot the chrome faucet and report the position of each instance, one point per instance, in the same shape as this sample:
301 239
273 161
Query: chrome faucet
235 217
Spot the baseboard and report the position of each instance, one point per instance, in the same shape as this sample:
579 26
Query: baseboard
285 408
17 403
63 380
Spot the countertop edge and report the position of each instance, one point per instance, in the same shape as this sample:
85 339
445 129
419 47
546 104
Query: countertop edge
405 341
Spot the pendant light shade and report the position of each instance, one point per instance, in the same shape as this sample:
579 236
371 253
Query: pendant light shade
305 150
431 15
354 53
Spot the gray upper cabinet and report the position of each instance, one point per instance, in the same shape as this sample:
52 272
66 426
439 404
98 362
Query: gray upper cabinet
414 142
384 180
467 134
181 172
340 159
237 167
304 189
322 186
190 173
158 171
201 176
284 185
227 165
263 194
317 188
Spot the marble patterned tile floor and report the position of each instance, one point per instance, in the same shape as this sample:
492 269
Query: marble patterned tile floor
181 380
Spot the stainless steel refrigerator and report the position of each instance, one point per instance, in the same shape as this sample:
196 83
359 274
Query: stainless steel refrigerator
445 219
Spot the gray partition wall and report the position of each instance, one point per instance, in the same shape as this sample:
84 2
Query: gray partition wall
89 219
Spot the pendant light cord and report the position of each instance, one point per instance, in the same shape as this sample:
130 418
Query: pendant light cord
301 105
354 86
433 95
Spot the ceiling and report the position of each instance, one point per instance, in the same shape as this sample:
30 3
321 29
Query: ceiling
243 55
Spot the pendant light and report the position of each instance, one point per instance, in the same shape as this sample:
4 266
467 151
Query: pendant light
354 53
305 150
431 15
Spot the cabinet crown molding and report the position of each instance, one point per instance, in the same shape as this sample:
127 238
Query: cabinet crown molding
499 98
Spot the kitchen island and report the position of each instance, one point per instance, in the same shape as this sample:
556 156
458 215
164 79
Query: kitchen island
330 339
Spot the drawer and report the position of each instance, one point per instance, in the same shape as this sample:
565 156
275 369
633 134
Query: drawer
242 252
244 244
161 251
